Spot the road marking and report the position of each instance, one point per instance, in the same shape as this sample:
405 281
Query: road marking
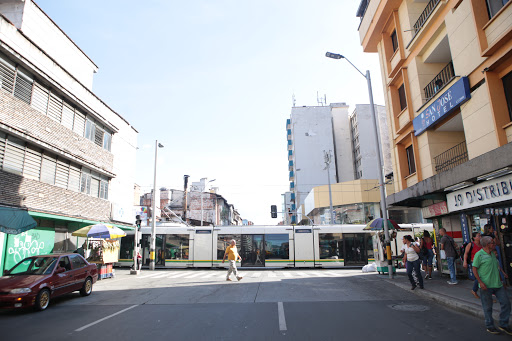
280 313
161 275
287 274
179 275
210 275
271 274
105 318
302 274
194 275
148 276
256 274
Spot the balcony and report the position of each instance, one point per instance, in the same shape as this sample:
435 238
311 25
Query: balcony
439 81
431 6
290 165
452 157
292 186
291 176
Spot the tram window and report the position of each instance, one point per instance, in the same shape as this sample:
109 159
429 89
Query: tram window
176 246
331 245
223 241
126 251
277 246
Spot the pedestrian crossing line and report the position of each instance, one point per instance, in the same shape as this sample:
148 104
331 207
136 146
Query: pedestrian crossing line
194 275
337 274
256 274
148 276
287 274
271 274
210 275
179 275
161 276
302 274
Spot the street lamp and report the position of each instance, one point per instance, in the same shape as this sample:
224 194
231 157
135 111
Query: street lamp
202 199
379 159
152 246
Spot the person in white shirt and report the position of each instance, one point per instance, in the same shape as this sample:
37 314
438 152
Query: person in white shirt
413 261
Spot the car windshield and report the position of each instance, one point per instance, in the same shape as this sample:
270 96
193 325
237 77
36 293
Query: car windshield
34 266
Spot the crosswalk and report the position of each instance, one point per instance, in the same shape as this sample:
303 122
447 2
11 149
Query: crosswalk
214 275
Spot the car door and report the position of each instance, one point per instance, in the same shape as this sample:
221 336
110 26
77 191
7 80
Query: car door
79 271
64 281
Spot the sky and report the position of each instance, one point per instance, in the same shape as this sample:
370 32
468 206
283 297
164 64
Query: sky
214 82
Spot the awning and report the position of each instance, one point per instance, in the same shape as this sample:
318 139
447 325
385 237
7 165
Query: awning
83 222
15 220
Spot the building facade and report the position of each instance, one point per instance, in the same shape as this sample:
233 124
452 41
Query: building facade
66 158
447 78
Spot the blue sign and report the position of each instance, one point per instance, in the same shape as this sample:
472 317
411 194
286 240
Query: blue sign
450 100
464 228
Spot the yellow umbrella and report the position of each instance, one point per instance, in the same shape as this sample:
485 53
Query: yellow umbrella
100 231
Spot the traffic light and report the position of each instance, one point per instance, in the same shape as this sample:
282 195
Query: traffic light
273 211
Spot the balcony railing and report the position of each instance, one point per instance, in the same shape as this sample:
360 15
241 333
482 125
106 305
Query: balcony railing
441 79
425 15
452 157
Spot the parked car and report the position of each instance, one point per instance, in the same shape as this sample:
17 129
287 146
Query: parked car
35 280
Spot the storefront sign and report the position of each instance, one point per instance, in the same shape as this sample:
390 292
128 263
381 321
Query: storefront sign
485 193
450 100
435 210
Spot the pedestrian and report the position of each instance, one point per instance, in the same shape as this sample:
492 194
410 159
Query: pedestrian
450 250
469 255
426 247
233 256
489 231
413 261
139 261
487 272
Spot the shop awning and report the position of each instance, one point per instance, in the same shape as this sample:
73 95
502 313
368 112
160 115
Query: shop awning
14 220
83 222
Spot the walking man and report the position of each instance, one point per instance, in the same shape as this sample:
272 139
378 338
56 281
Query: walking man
233 256
448 245
487 272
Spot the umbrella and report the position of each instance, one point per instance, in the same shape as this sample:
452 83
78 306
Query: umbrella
14 221
378 224
100 231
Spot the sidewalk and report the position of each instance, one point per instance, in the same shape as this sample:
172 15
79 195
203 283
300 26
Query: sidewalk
457 297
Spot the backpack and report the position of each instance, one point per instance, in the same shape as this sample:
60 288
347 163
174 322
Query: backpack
462 251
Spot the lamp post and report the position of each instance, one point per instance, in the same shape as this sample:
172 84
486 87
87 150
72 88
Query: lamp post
152 246
379 159
327 160
202 199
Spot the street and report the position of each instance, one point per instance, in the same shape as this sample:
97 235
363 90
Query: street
284 304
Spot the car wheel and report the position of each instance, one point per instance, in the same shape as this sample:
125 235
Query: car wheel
87 287
42 300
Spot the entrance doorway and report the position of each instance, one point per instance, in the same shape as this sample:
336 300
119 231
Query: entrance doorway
356 246
252 250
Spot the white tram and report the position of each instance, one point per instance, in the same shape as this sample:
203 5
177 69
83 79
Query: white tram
180 246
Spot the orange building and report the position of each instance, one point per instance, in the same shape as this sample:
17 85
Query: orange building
447 77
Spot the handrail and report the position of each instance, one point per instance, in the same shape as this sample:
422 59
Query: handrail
439 81
452 157
425 15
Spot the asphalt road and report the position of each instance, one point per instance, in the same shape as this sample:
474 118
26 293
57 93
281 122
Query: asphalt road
265 305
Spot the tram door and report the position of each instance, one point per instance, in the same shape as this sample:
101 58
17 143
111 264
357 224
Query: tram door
159 251
355 249
252 250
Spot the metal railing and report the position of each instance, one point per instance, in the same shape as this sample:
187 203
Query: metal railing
442 78
452 157
425 15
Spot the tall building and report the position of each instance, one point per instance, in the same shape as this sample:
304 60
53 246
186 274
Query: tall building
447 78
314 134
66 158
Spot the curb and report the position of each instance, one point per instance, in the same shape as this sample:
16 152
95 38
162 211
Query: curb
463 307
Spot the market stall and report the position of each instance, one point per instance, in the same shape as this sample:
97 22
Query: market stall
101 247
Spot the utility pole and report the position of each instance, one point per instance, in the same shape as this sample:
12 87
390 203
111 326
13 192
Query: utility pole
185 185
327 160
152 246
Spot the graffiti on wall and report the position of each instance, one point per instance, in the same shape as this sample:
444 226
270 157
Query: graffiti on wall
26 244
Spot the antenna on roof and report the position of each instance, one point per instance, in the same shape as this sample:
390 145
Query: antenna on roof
321 101
293 100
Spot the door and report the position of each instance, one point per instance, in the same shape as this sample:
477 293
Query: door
304 254
355 249
79 271
252 250
64 281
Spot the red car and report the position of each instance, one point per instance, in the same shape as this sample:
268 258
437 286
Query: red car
34 280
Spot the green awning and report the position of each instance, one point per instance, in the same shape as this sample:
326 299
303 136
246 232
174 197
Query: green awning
83 222
14 220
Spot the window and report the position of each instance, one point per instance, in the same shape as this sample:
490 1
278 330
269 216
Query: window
223 243
507 86
48 169
90 129
107 140
177 246
410 160
394 41
277 246
23 87
104 187
401 97
331 245
14 155
494 6
77 261
85 181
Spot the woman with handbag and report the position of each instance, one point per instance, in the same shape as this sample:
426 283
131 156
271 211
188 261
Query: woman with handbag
413 261
427 253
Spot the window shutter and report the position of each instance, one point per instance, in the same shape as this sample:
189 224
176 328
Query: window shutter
95 185
40 98
14 155
48 168
79 124
55 107
74 178
2 148
6 75
98 136
23 86
32 166
61 178
67 115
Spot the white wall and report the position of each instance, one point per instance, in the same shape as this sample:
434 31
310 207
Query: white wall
343 141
